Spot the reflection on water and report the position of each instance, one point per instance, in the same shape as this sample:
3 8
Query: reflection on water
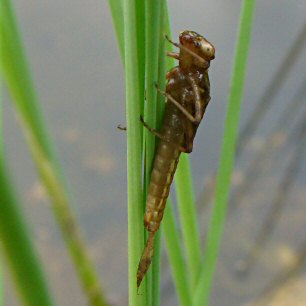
78 75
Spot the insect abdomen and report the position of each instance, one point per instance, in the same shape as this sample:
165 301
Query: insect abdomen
164 167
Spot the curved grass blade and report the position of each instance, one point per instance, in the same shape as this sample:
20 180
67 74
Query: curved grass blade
203 289
21 88
20 252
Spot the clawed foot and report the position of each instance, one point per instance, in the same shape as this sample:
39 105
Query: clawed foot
121 128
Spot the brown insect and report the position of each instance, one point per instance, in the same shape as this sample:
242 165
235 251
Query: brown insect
187 94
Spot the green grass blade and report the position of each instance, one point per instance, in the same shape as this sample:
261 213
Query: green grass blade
152 52
116 8
152 26
131 56
161 79
201 296
160 106
68 225
1 71
152 30
1 145
19 82
1 283
134 89
187 214
19 251
169 234
176 259
14 63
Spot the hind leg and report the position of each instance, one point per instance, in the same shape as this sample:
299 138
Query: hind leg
162 137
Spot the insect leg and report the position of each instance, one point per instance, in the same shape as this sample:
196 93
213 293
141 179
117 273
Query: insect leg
177 104
199 111
173 55
162 137
188 137
188 128
121 128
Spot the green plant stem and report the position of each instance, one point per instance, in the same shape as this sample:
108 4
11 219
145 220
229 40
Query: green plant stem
1 284
152 26
152 52
178 270
201 296
1 68
134 146
19 251
187 214
1 143
67 223
133 57
116 8
160 105
21 88
176 259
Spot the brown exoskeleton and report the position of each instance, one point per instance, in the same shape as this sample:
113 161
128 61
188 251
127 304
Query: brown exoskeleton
188 94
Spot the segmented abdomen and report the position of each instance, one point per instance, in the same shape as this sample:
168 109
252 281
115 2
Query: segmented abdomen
165 163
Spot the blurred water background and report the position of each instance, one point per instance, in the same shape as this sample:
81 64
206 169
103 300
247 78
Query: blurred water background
73 54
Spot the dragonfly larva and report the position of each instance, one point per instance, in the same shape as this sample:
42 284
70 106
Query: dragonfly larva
188 94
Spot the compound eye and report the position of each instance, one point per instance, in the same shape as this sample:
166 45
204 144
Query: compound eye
208 49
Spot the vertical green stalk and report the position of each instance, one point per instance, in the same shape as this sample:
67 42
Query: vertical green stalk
1 143
176 258
20 84
161 81
152 26
201 296
171 234
187 214
1 122
134 144
1 283
160 106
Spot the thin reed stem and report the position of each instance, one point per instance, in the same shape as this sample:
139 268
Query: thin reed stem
204 286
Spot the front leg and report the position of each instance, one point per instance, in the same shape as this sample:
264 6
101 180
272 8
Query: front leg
188 127
178 105
199 111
